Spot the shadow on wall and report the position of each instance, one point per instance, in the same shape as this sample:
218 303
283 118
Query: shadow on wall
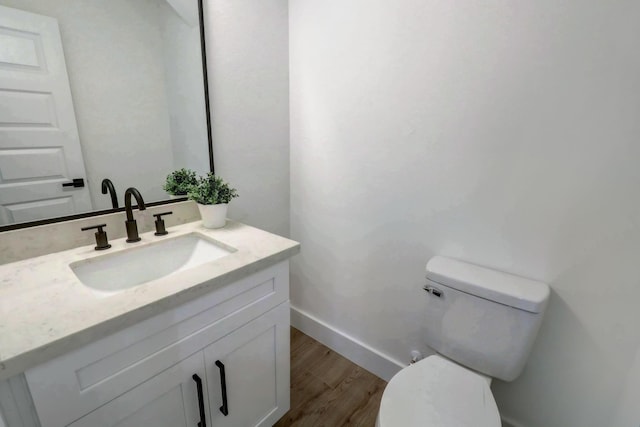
627 412
391 276
380 272
583 351
561 334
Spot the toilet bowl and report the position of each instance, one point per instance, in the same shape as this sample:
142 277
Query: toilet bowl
482 323
437 392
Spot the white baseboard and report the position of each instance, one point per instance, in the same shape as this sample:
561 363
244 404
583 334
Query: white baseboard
358 352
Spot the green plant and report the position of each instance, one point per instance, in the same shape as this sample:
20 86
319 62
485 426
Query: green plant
180 182
211 190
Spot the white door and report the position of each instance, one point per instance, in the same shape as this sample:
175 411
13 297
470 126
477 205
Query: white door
39 142
255 360
170 399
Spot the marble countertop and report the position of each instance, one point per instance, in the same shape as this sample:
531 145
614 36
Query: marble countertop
45 311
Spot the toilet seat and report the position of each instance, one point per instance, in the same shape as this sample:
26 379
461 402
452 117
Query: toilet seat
436 392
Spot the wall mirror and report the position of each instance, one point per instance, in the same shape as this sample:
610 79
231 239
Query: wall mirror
93 90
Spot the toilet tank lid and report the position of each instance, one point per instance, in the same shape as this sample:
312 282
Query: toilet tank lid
504 288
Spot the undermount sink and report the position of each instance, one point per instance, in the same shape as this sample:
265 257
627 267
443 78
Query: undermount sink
138 265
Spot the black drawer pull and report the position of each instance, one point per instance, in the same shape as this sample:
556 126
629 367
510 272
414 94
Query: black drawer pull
203 420
223 385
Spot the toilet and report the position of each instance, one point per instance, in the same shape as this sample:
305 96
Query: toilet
482 323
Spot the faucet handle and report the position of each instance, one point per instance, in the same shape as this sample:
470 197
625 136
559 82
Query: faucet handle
102 242
160 228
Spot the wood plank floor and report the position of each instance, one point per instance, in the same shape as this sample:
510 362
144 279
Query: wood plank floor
327 389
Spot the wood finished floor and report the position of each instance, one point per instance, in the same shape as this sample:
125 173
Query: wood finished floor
327 389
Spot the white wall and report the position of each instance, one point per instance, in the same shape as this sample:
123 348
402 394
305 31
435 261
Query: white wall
185 86
627 412
501 133
122 113
247 44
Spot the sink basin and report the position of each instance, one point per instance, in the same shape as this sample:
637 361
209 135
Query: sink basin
138 265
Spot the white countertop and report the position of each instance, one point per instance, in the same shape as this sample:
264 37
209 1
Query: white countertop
45 311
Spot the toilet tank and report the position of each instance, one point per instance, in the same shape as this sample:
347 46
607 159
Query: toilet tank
483 319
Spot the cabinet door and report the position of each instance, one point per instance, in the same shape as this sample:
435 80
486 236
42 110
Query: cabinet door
169 399
255 359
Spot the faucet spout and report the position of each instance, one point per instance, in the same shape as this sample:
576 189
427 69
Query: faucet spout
132 226
131 191
107 187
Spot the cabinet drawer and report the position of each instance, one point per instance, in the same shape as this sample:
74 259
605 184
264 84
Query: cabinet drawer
70 386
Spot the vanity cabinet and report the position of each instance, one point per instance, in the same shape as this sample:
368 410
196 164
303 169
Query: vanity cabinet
144 375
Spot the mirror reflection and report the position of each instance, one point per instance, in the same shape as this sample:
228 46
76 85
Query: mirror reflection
96 95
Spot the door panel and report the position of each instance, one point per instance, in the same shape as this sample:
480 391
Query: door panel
46 163
167 400
28 109
39 141
256 364
22 212
20 49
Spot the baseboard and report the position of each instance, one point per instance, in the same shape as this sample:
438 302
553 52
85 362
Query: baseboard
358 352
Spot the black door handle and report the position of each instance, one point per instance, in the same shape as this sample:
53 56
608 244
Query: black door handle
203 420
76 183
223 385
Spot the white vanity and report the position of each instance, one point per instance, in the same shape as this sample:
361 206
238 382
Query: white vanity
185 341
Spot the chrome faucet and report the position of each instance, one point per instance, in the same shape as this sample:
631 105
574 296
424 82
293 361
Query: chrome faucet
132 226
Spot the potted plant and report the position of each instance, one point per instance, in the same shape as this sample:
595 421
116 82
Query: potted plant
212 194
179 182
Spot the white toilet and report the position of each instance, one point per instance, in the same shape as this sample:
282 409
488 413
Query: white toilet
483 324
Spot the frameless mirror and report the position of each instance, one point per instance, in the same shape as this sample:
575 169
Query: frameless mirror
95 90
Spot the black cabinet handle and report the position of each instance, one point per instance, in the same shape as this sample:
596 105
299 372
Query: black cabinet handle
203 420
76 183
223 385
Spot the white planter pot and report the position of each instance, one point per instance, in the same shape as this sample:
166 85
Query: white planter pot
213 216
173 196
